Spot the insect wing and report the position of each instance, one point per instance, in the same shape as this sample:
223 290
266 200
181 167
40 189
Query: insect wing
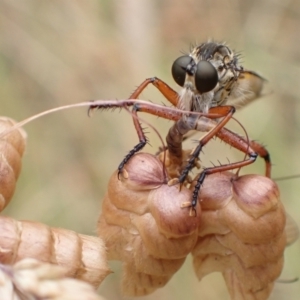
248 87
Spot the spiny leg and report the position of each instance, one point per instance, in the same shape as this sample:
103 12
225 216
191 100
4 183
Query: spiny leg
263 153
137 147
170 113
142 106
175 136
251 148
247 147
228 137
174 114
213 170
169 94
165 113
163 87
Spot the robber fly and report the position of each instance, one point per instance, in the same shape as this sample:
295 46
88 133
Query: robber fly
222 82
213 84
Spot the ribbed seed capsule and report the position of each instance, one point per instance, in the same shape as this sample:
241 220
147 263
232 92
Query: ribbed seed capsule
82 257
143 225
241 234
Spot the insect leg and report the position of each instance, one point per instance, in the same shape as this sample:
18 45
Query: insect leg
227 111
170 95
212 170
142 139
164 88
170 113
234 140
263 153
250 148
240 143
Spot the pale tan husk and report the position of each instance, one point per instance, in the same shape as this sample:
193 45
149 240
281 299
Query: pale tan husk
32 279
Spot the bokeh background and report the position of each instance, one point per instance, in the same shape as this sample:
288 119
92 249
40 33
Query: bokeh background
54 53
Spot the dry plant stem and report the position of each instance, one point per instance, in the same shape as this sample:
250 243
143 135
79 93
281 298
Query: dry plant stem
241 234
82 257
12 147
32 279
143 225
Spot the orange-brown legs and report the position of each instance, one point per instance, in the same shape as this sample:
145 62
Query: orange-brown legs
184 122
169 94
164 88
253 149
193 122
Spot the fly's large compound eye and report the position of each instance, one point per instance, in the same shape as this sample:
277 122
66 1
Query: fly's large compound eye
179 69
206 77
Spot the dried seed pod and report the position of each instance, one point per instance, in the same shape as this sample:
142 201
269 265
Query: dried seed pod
144 226
81 256
241 234
32 279
12 146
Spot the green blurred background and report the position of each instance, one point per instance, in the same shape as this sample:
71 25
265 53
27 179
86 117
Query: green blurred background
54 53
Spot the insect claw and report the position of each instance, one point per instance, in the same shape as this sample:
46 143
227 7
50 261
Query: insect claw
185 204
189 179
123 173
180 186
91 109
197 164
193 151
193 212
173 181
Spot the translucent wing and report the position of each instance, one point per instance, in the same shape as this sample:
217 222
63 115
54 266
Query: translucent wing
248 87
